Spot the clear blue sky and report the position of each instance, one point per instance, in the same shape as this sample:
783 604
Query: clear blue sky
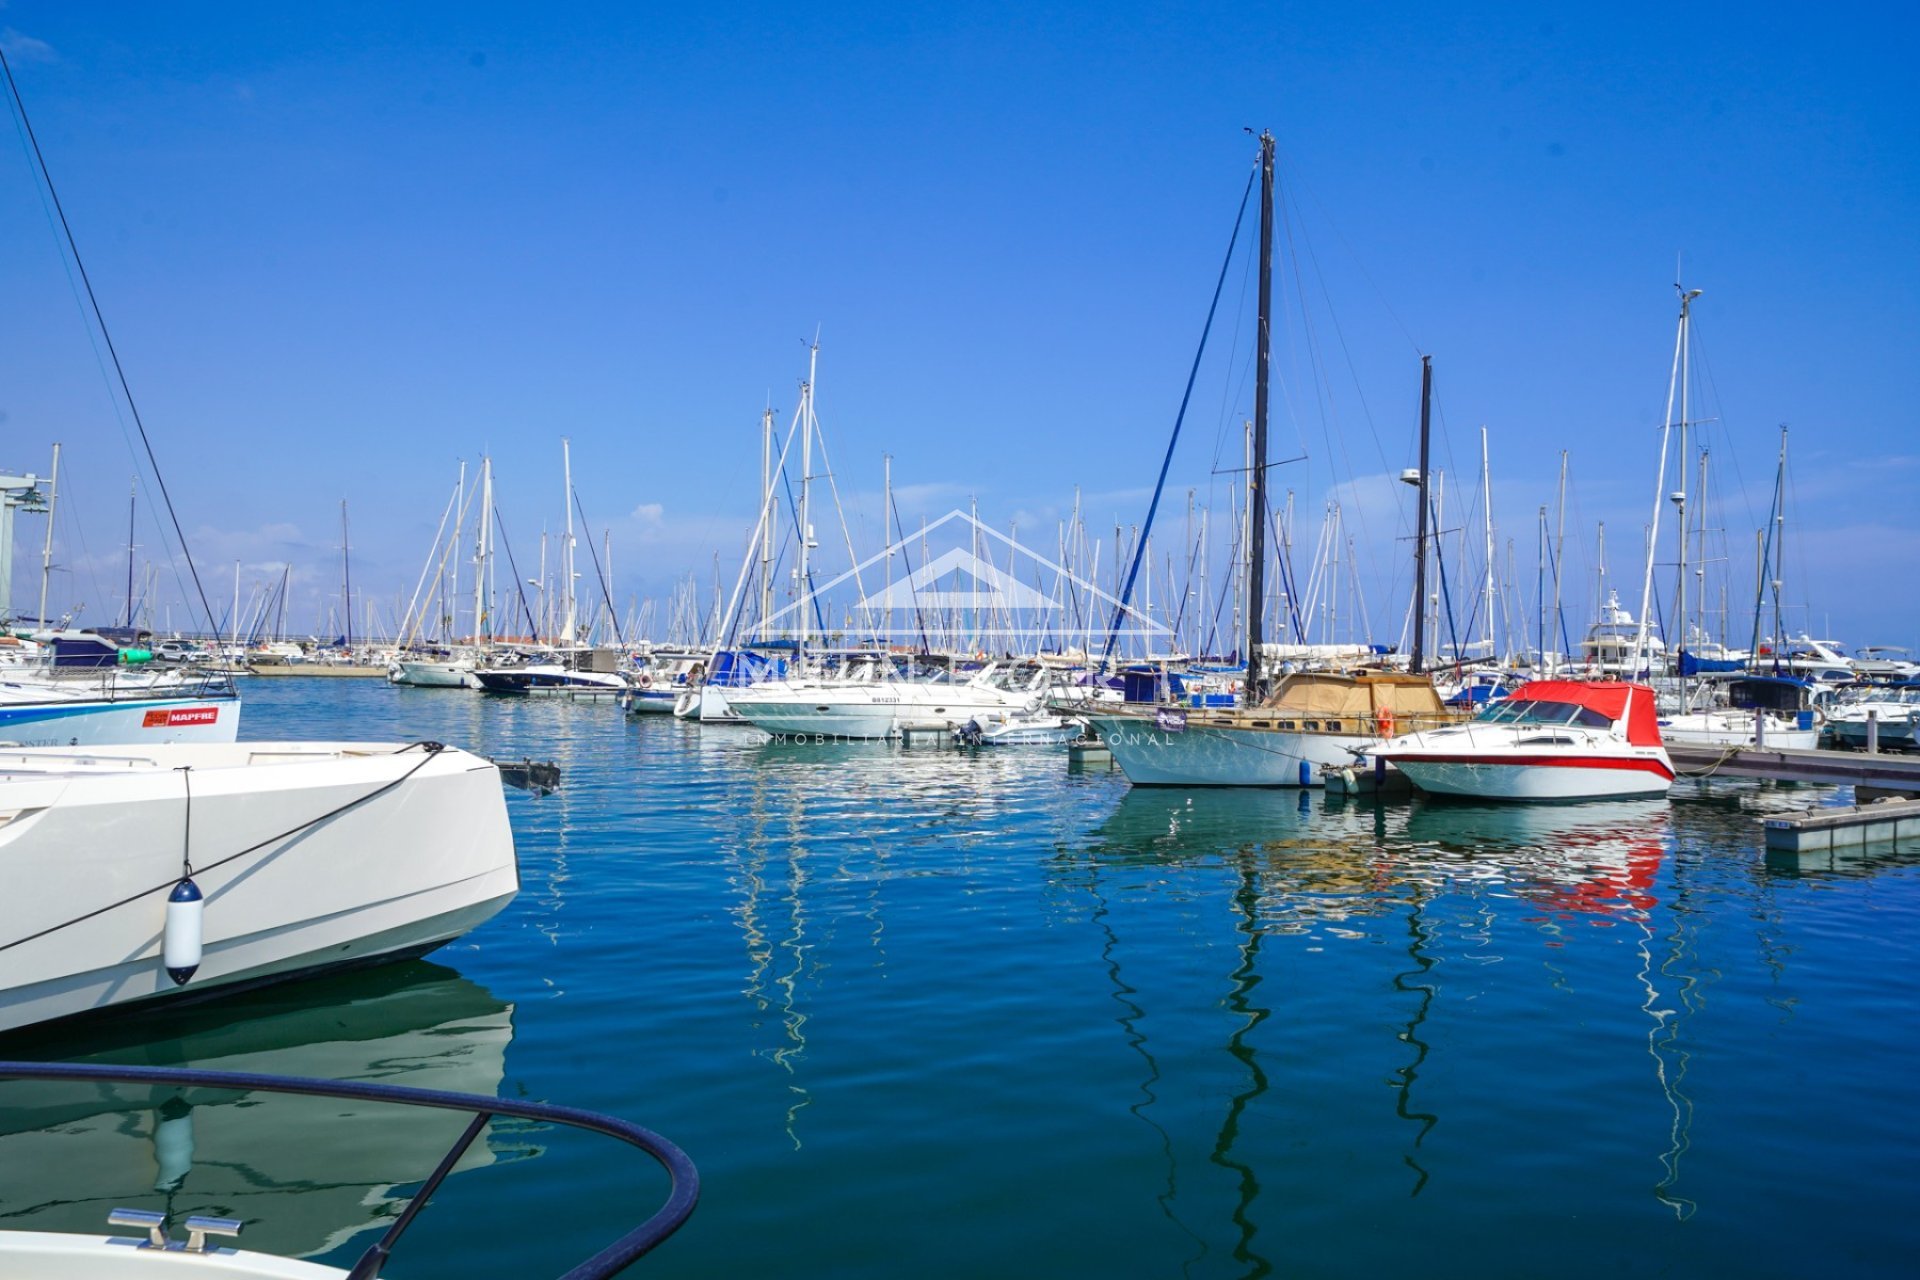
343 246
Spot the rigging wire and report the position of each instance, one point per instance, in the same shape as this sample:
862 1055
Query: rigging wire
1126 592
100 319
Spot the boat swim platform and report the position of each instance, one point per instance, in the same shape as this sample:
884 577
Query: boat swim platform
1872 774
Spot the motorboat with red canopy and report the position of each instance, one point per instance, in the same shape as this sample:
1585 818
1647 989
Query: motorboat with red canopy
1549 740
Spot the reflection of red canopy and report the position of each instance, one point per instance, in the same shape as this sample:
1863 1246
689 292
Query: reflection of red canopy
1614 699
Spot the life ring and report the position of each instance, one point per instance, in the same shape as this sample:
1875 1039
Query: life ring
1383 721
646 681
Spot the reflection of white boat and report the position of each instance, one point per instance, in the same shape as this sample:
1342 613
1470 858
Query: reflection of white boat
1550 740
148 1244
279 1162
303 855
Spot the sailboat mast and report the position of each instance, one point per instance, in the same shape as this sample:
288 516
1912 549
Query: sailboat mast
346 577
1680 518
1418 665
1257 472
766 524
482 624
1559 546
566 548
806 495
1660 484
1486 511
46 550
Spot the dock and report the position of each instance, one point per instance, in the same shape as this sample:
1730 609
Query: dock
1826 829
1871 774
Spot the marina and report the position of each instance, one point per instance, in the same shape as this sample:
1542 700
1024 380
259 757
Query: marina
1085 1028
729 652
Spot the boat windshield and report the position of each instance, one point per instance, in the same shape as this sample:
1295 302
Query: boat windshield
1541 711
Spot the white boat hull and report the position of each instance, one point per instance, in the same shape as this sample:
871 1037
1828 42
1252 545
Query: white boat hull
656 701
435 675
424 856
1734 729
1559 779
77 1257
712 706
1217 756
133 721
817 714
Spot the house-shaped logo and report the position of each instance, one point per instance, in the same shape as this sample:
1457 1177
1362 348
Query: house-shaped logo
958 583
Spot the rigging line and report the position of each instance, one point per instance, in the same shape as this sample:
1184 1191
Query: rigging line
1133 571
606 589
100 318
1295 180
519 583
431 749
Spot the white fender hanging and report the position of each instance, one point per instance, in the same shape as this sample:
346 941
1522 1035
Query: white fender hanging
180 943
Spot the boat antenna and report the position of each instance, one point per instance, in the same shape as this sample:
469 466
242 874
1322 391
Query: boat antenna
19 104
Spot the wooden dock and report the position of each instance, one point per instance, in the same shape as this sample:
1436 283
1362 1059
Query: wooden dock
1873 775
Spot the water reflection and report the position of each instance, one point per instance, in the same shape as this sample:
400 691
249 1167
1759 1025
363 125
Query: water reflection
1449 873
306 1174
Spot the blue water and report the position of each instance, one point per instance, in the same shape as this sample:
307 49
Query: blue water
932 1013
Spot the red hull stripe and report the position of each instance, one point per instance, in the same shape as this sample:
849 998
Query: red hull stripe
1563 762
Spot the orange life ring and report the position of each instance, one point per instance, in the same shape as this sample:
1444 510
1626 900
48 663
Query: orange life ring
1383 721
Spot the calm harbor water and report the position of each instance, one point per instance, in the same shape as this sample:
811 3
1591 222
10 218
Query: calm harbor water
932 1013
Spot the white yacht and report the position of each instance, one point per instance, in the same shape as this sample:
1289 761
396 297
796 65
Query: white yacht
136 873
871 700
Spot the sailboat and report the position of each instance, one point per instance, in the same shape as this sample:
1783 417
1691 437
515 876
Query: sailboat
1310 720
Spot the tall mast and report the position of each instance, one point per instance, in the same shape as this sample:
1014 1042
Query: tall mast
1559 545
1660 483
46 551
566 548
1486 505
346 579
1418 664
482 624
1679 499
1257 472
806 492
766 524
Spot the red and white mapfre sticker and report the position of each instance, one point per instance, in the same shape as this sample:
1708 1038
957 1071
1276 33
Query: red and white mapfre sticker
172 716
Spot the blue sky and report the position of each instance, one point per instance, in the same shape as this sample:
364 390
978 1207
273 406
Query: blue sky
342 247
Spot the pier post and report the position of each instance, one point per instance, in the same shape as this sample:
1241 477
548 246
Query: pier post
1759 728
1873 731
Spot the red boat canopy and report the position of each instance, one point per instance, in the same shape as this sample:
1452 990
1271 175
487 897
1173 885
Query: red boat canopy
1614 699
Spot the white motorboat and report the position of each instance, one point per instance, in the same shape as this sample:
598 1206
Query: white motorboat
1027 729
874 703
146 1243
1890 715
1312 721
1549 740
137 873
583 678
